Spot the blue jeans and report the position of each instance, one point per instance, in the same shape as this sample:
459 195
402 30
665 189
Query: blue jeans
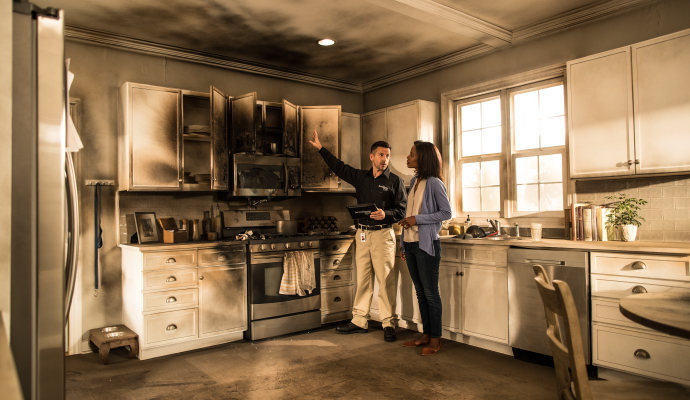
424 272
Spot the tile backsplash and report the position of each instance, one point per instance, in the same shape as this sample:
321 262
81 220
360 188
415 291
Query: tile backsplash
192 206
667 212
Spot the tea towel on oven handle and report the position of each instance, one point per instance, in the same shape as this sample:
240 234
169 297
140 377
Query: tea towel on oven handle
299 277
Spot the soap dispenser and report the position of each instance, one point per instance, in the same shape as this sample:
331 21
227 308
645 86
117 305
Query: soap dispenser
466 225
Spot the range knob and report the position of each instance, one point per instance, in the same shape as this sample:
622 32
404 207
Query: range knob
287 245
273 246
262 247
310 244
301 244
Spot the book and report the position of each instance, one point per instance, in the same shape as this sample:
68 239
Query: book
604 231
587 224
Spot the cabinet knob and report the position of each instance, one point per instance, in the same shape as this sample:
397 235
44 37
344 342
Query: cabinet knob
336 262
639 289
170 261
336 278
222 257
641 353
458 273
639 265
170 279
171 327
336 247
171 299
336 300
630 162
201 278
637 161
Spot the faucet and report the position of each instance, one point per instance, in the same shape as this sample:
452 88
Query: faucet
517 230
496 225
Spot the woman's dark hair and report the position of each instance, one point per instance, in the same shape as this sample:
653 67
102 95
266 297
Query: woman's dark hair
429 161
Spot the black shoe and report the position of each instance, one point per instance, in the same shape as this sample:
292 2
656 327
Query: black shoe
350 328
389 334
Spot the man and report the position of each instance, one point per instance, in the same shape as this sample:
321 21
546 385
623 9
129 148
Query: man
375 239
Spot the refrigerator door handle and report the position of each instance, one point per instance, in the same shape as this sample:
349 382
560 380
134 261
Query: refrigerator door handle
72 232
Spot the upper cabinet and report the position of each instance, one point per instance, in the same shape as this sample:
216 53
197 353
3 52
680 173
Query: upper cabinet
243 123
326 121
629 109
220 175
290 125
350 145
400 126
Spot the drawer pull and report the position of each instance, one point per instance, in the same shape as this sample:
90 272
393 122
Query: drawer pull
336 278
170 261
336 300
336 262
222 257
639 289
171 327
171 299
639 265
170 279
201 278
336 247
640 353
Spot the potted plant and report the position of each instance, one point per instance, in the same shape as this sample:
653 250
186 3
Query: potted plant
625 215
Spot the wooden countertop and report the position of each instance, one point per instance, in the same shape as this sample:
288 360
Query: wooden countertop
612 246
206 244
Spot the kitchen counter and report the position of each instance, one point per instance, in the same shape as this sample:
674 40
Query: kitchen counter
614 246
208 244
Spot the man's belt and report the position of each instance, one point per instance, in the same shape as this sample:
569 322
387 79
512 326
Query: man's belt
373 227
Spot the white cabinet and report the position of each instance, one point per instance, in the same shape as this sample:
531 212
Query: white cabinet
485 302
400 126
337 261
621 344
450 288
629 109
350 145
181 297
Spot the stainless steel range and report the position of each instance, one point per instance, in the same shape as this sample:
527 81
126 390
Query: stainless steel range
271 313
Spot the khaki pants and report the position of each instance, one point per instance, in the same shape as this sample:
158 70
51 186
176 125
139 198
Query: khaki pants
375 256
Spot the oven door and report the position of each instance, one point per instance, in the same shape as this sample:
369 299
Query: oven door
265 175
265 275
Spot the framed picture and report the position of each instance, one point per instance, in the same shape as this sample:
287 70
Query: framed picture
147 230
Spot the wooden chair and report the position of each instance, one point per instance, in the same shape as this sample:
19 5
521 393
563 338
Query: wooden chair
568 355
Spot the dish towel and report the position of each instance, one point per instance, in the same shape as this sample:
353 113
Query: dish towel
298 273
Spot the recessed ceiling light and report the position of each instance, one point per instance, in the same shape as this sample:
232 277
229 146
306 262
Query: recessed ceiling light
326 42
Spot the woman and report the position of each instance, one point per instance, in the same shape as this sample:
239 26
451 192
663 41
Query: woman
420 245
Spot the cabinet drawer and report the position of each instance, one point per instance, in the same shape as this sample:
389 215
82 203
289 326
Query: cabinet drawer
620 286
451 252
169 259
221 256
170 278
170 326
669 358
337 261
336 299
494 255
643 265
171 299
335 246
337 277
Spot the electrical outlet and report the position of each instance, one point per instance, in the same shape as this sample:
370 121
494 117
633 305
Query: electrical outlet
102 182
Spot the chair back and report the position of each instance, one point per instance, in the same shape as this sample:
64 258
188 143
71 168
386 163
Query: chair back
566 346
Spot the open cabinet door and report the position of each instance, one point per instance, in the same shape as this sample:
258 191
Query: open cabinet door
243 128
219 141
326 121
290 129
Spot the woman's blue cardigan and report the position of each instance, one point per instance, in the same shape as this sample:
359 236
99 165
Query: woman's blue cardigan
435 209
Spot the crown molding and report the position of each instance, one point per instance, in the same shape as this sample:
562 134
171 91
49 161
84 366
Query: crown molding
576 17
123 42
451 19
428 66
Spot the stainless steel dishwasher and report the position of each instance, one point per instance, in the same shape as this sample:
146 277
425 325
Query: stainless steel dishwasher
527 323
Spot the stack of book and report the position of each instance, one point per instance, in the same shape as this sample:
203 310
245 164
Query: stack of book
588 222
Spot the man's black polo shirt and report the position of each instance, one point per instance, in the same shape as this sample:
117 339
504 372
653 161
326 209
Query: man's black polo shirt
387 190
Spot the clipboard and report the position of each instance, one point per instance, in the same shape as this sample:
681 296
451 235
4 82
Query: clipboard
361 211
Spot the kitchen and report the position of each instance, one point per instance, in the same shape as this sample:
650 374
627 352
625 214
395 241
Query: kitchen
102 63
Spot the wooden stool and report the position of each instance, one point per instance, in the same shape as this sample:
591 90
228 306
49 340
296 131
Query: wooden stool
104 339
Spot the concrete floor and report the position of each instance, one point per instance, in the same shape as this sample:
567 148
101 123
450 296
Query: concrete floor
315 365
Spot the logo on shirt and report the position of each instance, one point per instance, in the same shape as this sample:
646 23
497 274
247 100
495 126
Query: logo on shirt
385 188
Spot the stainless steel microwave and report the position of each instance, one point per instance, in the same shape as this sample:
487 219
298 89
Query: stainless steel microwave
265 175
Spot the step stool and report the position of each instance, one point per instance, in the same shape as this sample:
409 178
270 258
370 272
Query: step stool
104 339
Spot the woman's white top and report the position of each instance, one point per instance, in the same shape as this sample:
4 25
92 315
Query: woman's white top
414 207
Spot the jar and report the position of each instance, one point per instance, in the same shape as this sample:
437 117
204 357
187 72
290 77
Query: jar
205 226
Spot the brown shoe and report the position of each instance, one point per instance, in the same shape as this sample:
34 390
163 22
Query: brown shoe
428 351
415 343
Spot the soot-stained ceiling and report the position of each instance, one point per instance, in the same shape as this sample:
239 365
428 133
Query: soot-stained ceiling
372 39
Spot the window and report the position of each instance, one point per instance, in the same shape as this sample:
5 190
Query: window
480 126
511 152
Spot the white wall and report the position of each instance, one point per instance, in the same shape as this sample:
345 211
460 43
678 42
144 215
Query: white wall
5 155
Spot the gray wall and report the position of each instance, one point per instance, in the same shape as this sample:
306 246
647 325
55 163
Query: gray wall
99 71
5 156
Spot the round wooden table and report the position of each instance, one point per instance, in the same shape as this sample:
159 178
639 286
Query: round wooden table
665 312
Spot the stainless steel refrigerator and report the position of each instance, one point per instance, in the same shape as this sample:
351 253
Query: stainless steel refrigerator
40 202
